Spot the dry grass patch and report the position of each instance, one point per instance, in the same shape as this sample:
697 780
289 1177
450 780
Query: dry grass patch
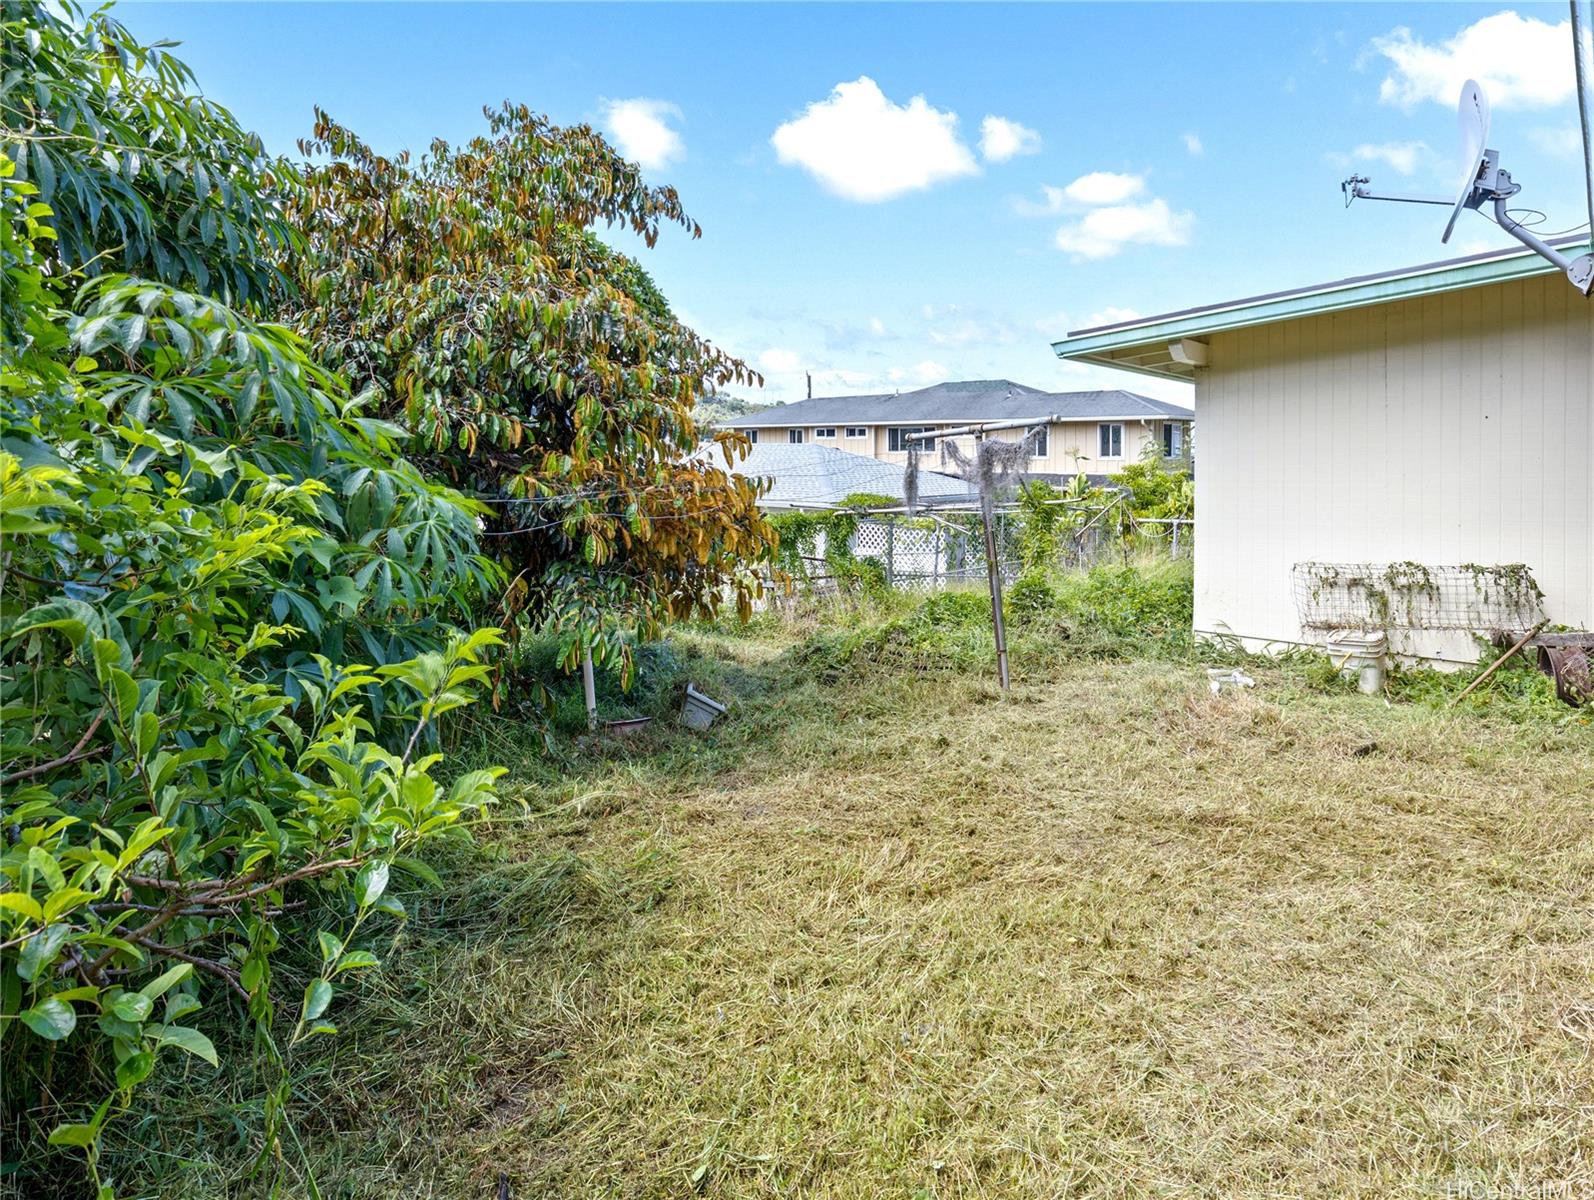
896 938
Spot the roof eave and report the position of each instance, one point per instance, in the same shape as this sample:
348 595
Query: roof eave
1142 346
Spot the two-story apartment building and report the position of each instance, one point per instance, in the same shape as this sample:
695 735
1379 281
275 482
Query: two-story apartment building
1098 433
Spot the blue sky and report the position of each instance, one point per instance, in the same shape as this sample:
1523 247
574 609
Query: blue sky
863 220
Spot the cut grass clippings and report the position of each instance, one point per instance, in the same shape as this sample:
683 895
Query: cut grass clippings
884 934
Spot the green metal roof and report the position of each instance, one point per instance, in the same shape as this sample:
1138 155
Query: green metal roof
1141 345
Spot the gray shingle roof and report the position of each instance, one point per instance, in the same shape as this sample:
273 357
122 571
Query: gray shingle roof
822 475
967 401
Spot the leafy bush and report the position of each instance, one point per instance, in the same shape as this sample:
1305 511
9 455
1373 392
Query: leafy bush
206 542
798 536
1147 599
142 173
1042 523
1157 490
1031 594
957 609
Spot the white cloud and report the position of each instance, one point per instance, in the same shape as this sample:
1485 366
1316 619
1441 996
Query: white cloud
862 146
929 371
1402 156
958 325
1104 187
641 129
1561 141
1001 139
1521 61
779 360
1192 144
1111 315
1053 201
877 327
1103 232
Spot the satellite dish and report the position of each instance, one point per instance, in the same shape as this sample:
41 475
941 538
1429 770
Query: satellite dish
1485 181
1472 111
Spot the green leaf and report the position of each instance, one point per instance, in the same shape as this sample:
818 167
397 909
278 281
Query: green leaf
75 619
419 869
159 986
147 731
371 883
134 1069
132 1007
126 694
190 1040
19 903
40 950
73 1135
51 1019
355 960
331 947
316 998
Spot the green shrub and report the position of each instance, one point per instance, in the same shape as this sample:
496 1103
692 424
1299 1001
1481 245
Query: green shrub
957 609
1148 599
1032 594
224 650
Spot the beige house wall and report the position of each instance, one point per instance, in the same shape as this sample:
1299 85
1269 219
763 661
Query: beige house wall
1071 447
1443 430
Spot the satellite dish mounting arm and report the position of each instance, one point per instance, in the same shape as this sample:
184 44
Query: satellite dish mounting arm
1491 185
1579 270
1355 188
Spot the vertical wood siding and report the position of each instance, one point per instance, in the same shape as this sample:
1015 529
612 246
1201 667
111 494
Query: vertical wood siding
1444 429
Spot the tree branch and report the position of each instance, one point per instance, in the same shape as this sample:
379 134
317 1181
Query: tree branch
76 754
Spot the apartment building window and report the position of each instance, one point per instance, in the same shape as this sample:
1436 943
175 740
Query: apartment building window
826 431
1172 439
1112 440
752 436
857 431
1039 442
794 436
897 440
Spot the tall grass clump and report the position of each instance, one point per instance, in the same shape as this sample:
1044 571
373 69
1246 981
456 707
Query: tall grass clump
1141 608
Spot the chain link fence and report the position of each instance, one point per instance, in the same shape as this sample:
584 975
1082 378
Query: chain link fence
944 548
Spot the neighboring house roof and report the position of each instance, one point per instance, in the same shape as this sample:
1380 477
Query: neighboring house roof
963 403
810 475
1142 344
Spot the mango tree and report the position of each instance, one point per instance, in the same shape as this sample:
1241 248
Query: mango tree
537 368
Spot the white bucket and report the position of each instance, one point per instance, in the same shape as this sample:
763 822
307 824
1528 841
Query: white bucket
699 711
1362 655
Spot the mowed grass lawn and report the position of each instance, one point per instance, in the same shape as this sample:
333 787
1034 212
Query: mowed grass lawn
887 935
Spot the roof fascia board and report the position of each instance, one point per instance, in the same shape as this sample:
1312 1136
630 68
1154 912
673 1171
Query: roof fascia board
1091 346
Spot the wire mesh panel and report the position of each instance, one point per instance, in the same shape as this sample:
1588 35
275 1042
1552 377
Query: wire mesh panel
945 547
1412 595
927 553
